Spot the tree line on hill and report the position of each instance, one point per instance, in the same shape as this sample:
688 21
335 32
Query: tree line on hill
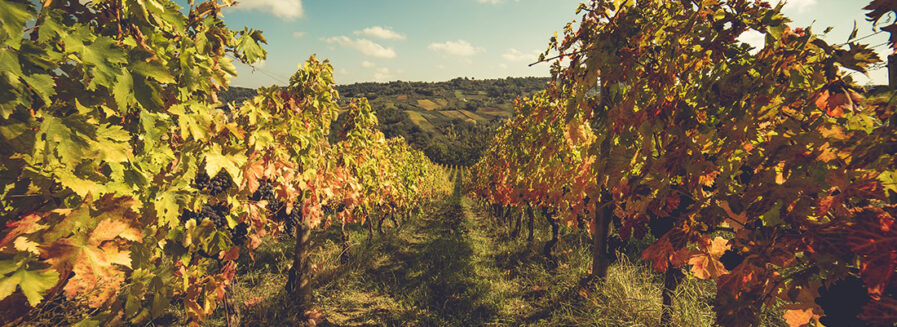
451 141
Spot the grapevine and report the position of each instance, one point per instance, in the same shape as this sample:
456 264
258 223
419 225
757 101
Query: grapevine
667 122
123 172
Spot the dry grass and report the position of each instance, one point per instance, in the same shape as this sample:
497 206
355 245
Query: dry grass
472 115
420 121
428 105
456 114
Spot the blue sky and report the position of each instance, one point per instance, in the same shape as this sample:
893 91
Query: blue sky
437 40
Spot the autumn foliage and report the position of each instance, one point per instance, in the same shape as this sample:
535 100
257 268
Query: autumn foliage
764 169
126 186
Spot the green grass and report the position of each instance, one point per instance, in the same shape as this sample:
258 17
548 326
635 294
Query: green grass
420 121
453 266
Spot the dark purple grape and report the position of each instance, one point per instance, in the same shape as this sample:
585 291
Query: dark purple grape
842 302
747 173
265 191
216 213
274 207
220 183
187 214
660 226
731 259
202 181
293 218
238 235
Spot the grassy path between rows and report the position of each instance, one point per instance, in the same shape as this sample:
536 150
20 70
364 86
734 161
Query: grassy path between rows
453 266
434 271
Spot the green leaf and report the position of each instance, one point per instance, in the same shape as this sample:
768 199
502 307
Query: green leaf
152 70
112 144
103 51
248 45
168 208
77 184
50 28
8 266
42 84
32 282
216 161
9 62
123 91
889 180
13 15
773 217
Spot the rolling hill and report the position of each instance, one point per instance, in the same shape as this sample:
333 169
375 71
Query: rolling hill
452 121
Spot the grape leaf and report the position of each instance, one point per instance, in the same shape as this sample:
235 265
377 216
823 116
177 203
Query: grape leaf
799 317
216 161
13 15
33 283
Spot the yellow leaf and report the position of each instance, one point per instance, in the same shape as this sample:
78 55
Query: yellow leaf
23 244
798 317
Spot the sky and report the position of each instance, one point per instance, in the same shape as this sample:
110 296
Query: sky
437 40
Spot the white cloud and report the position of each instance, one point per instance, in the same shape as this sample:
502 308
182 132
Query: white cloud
799 5
366 47
382 74
503 66
385 33
458 48
285 9
368 64
514 55
298 35
754 38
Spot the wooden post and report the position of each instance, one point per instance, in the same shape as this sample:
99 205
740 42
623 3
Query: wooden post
892 71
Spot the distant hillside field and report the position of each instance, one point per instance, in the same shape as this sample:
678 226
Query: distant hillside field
452 122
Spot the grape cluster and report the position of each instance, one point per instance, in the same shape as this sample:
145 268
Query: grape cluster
341 207
731 259
842 302
217 185
277 211
660 226
202 180
273 207
293 218
747 173
215 212
188 214
220 183
328 210
238 234
265 192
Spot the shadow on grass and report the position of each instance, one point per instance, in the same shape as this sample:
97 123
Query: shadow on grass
419 275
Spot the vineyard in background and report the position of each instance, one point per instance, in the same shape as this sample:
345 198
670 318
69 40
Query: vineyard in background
764 171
